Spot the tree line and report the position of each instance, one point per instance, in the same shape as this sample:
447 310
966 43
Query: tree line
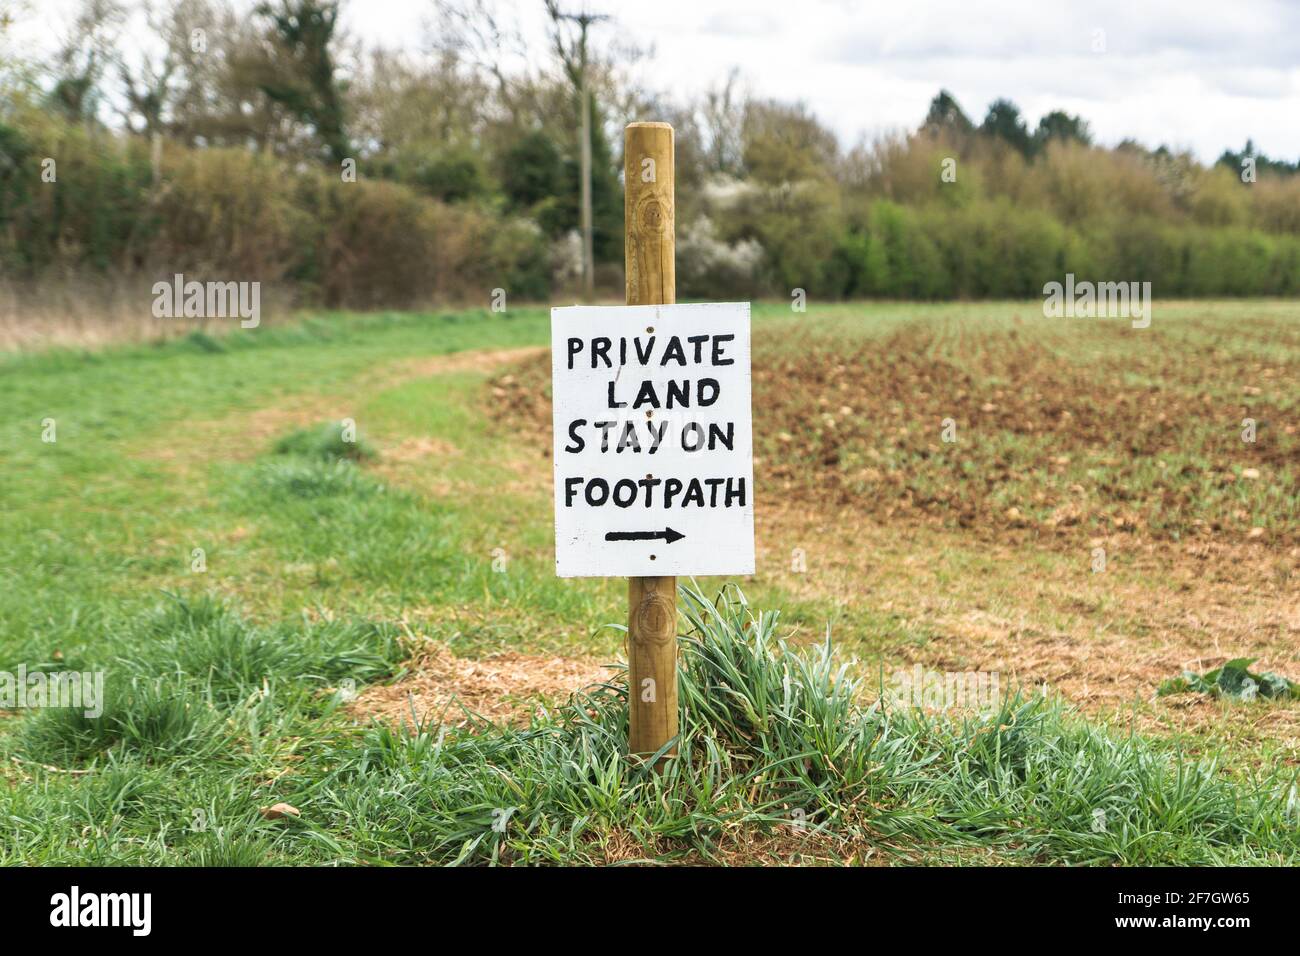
275 147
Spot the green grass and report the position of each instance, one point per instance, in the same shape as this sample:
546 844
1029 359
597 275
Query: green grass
332 441
774 740
319 557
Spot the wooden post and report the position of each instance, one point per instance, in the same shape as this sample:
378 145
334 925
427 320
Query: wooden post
651 276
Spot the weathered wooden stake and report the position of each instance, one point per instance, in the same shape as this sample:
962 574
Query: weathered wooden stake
649 246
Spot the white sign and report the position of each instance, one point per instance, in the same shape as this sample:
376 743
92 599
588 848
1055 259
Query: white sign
654 463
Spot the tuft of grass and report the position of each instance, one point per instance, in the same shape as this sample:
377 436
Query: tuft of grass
151 718
201 342
193 672
330 442
297 478
222 848
205 642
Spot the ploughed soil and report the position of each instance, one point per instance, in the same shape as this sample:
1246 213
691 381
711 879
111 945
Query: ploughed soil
1041 445
984 551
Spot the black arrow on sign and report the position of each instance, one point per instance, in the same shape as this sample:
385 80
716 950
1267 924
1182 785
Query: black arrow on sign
668 534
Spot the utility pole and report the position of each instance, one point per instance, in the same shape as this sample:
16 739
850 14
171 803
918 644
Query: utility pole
575 62
588 243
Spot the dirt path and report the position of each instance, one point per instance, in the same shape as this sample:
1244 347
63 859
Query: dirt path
245 435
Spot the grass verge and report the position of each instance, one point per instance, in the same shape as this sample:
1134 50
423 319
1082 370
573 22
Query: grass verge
777 746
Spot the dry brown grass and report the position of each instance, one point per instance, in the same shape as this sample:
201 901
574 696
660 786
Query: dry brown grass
90 312
505 688
746 846
1037 618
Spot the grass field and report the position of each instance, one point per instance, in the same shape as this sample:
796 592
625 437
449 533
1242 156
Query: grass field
282 617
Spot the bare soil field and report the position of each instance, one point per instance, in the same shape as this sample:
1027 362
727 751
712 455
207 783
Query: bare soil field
1076 508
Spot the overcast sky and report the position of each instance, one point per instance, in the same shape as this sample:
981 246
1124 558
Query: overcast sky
1201 74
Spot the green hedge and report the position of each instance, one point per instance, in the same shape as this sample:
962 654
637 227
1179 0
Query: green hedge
991 249
230 214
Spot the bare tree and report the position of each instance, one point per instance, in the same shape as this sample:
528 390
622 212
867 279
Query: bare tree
82 58
149 85
222 60
478 32
722 121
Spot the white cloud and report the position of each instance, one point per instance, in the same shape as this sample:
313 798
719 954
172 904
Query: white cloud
1204 74
1194 73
